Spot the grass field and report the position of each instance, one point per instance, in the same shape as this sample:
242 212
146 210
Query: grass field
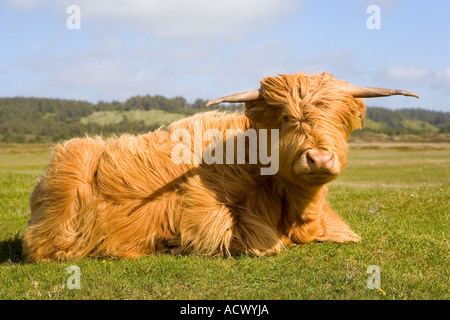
395 196
150 117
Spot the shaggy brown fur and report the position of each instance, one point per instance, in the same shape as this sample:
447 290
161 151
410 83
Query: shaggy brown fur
124 197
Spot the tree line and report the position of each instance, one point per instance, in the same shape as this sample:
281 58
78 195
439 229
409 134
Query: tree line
394 122
51 120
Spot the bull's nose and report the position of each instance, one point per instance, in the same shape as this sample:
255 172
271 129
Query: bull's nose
320 160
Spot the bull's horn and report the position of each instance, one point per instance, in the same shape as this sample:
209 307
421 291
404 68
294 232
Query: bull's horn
238 97
356 91
369 92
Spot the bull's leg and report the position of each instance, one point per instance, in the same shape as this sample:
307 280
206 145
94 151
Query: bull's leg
305 229
255 236
208 226
335 229
321 225
215 229
205 228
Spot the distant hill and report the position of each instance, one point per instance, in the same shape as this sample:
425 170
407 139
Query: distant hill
406 121
51 120
150 118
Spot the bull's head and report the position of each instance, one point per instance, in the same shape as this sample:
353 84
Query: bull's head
315 115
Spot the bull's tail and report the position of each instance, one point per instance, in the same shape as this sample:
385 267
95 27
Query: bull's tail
59 197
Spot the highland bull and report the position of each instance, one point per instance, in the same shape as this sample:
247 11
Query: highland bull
126 197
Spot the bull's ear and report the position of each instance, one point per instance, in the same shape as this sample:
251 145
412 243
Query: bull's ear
269 116
361 112
277 93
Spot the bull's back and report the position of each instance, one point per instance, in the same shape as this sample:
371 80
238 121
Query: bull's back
98 197
117 197
60 193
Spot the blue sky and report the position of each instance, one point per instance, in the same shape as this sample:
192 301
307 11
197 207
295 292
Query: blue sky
206 49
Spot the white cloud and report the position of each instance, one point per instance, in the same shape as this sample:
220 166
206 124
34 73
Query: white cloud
177 19
341 63
259 60
441 79
105 72
119 77
169 47
406 74
385 5
24 4
194 19
241 69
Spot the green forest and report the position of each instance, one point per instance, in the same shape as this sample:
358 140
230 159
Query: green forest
37 120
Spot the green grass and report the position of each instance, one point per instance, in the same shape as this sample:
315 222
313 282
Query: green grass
396 197
373 125
150 117
409 124
419 126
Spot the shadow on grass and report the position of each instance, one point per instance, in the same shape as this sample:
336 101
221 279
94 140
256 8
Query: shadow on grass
11 250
